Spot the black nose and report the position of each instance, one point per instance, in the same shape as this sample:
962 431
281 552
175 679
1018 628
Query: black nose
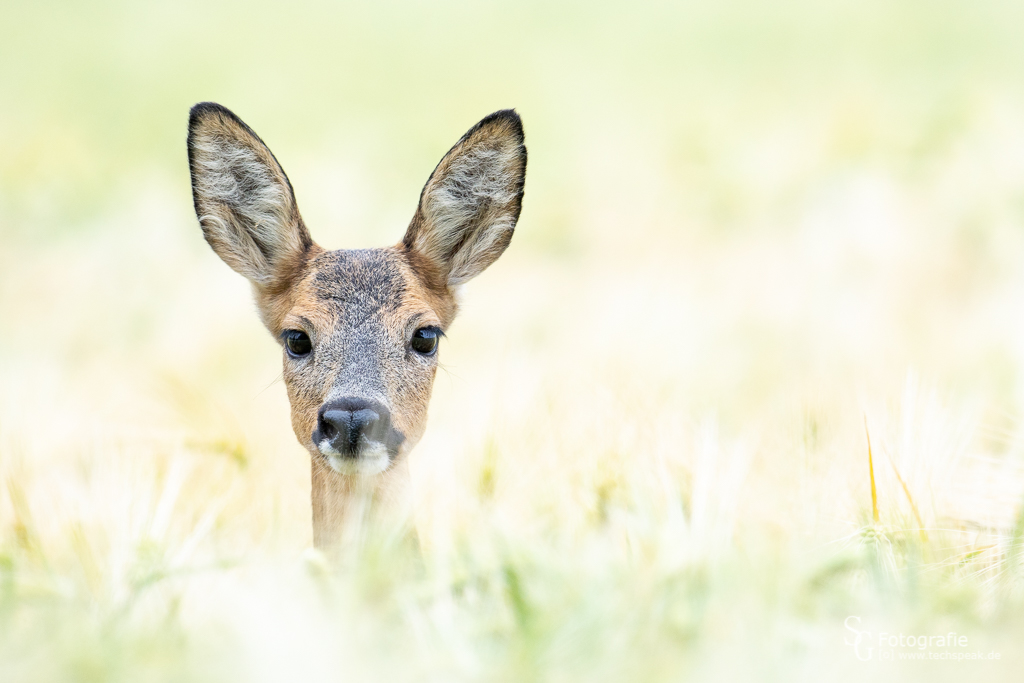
346 422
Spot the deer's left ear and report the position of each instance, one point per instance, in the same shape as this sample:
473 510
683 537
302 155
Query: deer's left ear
469 207
243 199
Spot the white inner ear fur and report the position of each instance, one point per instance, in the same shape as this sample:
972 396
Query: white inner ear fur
246 207
472 203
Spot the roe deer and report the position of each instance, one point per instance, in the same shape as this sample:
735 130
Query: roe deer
359 328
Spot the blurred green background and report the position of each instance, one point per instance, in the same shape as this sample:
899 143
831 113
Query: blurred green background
95 94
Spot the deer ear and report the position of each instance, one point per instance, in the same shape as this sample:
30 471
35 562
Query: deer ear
469 207
243 199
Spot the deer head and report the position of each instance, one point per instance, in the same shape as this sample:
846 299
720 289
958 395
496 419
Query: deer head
359 329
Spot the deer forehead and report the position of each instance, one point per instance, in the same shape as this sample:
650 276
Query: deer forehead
364 293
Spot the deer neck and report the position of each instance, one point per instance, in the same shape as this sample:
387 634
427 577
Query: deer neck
344 504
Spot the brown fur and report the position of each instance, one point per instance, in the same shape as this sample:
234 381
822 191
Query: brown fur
360 308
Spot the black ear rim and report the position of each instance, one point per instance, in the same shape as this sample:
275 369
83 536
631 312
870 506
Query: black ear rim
504 115
509 116
203 110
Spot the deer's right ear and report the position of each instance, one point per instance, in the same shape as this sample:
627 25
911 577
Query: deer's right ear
469 207
243 199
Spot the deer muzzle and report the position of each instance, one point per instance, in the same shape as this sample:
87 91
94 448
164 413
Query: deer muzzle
355 435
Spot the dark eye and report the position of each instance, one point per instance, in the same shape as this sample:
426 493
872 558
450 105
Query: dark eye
297 342
424 340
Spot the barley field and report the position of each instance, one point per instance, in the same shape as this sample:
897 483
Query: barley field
744 399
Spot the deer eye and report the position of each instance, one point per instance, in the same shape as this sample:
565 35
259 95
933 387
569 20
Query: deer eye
424 340
297 342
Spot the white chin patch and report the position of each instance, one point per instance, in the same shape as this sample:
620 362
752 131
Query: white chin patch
372 459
